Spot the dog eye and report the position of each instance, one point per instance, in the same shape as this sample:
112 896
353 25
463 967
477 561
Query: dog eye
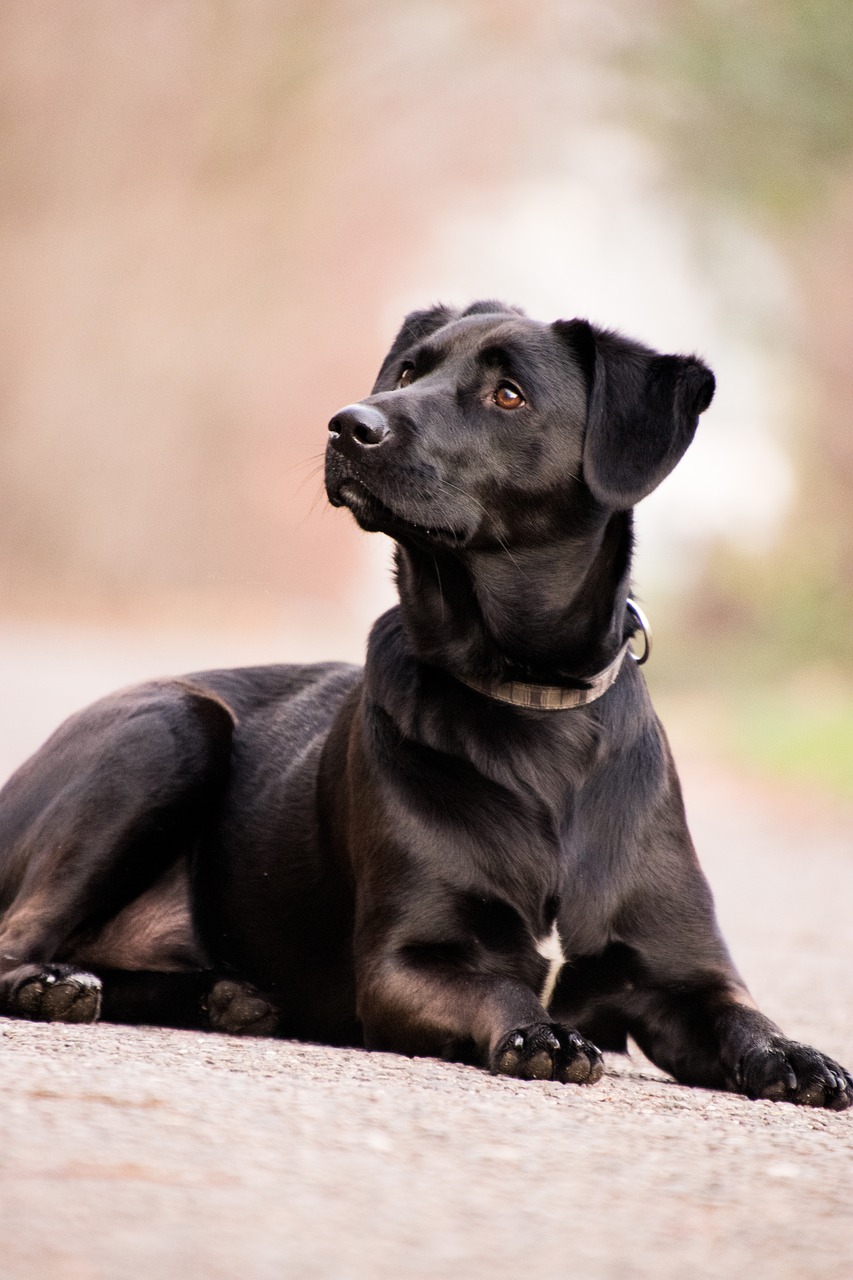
407 374
508 397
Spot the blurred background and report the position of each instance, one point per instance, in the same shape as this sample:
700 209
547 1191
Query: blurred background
212 218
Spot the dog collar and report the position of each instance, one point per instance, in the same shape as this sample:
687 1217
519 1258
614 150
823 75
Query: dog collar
548 697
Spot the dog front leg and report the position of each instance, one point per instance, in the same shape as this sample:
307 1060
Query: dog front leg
418 1005
717 1038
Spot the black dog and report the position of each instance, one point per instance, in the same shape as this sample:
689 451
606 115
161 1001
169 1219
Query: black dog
475 849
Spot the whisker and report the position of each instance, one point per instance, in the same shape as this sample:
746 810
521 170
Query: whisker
316 502
311 476
440 589
311 460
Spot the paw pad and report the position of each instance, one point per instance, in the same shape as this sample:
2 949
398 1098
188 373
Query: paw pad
56 993
239 1009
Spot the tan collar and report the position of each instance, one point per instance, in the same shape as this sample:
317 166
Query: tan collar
547 697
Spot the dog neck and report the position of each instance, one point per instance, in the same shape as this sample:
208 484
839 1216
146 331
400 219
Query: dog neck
553 614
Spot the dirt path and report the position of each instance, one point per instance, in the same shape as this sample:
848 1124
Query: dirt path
166 1155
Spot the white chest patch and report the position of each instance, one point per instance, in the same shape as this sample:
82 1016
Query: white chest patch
550 949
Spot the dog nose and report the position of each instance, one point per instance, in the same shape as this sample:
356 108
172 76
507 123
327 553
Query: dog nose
359 424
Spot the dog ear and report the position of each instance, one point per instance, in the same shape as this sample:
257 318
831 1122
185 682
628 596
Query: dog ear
642 411
416 326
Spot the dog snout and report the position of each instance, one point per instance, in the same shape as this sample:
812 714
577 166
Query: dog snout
357 427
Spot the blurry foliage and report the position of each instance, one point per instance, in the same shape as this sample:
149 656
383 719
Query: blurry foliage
754 103
800 738
755 97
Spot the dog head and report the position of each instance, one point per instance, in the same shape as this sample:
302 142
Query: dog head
486 428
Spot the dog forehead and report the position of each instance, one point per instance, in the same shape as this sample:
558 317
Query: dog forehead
531 344
469 336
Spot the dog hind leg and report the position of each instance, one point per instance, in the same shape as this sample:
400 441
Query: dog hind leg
89 822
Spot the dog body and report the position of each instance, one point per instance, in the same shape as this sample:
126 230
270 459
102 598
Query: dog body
425 857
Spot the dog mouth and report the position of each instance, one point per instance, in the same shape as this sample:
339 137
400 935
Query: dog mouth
375 516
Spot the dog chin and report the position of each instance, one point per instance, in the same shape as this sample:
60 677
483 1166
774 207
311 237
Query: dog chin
374 516
367 509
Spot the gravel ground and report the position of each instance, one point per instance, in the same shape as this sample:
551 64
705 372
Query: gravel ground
137 1152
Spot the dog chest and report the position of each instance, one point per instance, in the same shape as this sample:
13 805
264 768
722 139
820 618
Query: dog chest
550 948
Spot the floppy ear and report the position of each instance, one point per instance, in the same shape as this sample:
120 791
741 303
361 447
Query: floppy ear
642 411
416 326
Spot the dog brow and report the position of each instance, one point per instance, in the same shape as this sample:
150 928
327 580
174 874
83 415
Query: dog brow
426 358
504 358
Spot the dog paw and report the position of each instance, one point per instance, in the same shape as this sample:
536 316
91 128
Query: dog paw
238 1009
547 1051
785 1071
54 993
579 1060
